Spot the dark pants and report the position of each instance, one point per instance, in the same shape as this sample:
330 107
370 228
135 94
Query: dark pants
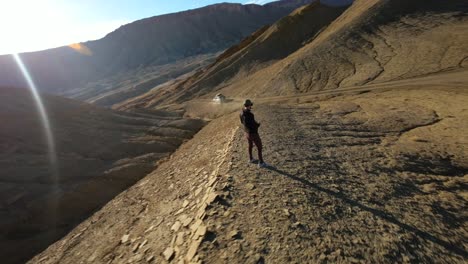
254 138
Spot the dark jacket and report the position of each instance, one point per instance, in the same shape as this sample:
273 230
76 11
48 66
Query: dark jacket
247 119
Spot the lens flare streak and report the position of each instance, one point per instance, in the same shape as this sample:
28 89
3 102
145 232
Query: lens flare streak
44 118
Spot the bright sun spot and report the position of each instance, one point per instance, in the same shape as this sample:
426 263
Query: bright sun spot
30 25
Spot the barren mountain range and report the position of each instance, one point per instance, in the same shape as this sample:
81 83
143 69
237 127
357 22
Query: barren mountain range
364 119
94 69
373 41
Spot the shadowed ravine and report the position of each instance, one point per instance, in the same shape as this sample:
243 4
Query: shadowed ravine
96 154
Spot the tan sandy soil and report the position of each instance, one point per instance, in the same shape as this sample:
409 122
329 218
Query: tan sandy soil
377 176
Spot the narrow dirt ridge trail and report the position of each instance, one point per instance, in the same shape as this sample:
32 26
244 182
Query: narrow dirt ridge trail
336 192
370 177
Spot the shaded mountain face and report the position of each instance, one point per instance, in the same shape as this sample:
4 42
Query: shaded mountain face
99 154
153 41
120 87
337 2
371 42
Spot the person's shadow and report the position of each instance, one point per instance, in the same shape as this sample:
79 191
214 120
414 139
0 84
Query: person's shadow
378 213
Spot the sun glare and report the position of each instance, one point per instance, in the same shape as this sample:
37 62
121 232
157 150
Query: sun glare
28 25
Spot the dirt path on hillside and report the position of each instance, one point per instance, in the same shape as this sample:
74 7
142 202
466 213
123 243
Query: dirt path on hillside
338 192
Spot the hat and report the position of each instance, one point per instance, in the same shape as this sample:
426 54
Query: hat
248 103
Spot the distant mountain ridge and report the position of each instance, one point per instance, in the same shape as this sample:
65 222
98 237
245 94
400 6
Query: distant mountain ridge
152 41
263 47
371 42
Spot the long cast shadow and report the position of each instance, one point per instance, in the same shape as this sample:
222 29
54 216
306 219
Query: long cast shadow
382 214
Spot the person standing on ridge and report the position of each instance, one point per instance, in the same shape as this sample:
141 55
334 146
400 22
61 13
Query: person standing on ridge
251 132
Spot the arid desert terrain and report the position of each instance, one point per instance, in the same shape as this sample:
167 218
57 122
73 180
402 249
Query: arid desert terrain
364 120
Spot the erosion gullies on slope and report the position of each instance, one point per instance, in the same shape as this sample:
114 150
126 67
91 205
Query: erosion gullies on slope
338 189
278 41
263 47
390 40
371 42
99 154
120 87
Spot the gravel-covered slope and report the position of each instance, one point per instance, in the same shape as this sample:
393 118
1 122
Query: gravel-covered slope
354 179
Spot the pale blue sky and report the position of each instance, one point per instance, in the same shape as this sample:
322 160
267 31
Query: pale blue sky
29 25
